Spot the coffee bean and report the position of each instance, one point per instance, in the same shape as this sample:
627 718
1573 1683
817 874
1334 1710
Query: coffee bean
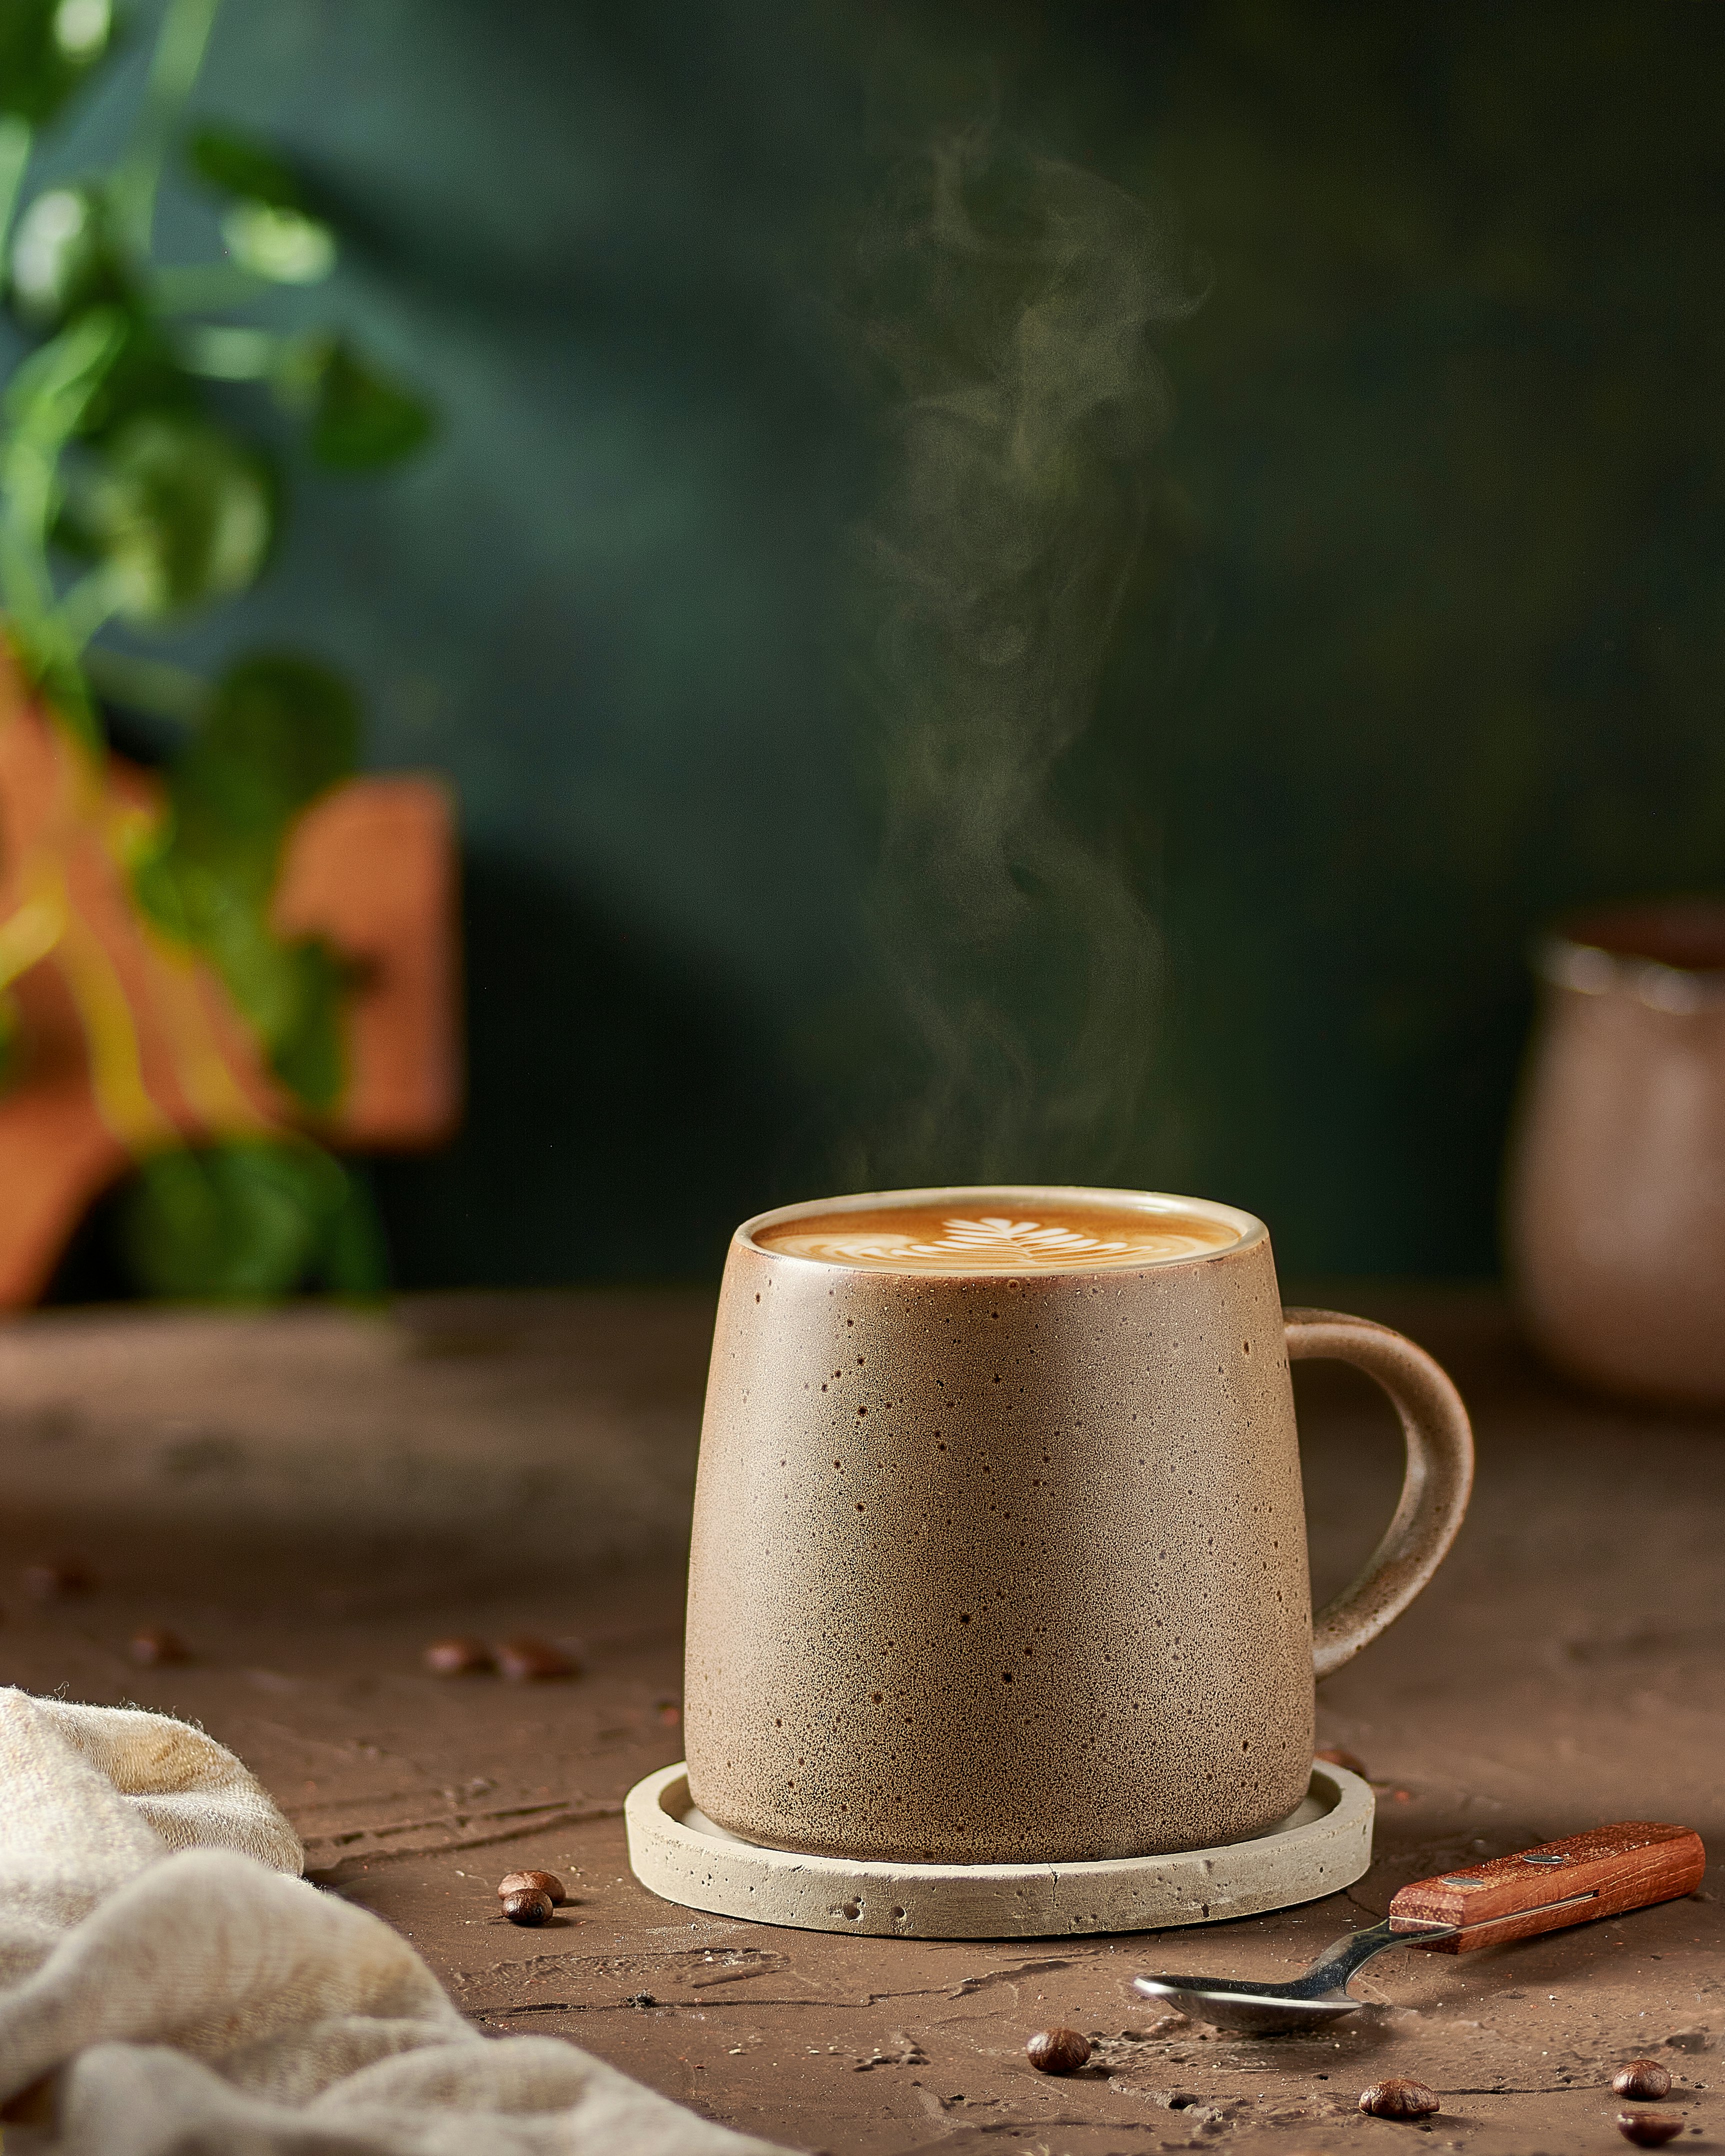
530 1907
1399 2099
1644 2081
528 1660
531 1882
1058 2051
153 1646
1338 1758
458 1658
1648 2129
33 2105
57 1577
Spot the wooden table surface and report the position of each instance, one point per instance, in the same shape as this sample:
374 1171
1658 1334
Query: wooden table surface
310 1497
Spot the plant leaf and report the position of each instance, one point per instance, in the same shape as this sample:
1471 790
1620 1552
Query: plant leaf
238 165
146 377
279 245
47 50
49 393
182 509
360 419
309 1051
249 1220
45 402
280 730
63 257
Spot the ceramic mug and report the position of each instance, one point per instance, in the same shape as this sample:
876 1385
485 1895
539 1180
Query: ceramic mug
1002 1568
1615 1199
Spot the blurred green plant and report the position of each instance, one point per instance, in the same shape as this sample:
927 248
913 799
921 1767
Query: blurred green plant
249 1216
129 495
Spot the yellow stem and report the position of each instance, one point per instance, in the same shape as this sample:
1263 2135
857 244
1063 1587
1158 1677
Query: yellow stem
205 1074
30 933
47 922
117 1068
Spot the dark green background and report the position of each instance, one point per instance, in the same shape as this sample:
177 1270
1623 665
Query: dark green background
1427 643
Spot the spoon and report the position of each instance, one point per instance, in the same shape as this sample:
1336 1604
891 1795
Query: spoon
1602 1873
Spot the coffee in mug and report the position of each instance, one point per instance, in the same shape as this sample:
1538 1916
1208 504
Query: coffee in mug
1072 1236
999 1550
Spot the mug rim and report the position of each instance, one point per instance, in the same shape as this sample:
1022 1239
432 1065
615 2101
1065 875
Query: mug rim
1249 1229
1648 949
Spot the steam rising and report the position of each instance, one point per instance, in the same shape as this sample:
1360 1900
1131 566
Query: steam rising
1012 303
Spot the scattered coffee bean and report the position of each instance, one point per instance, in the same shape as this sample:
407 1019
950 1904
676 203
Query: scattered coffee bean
49 1582
33 2105
527 1660
532 1883
1399 2099
1644 2081
1058 2051
1648 2129
153 1646
458 1658
530 1907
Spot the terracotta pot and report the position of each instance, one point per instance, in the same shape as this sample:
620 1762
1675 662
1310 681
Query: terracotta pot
1616 1190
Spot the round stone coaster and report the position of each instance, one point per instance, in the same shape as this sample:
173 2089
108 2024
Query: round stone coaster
1324 1845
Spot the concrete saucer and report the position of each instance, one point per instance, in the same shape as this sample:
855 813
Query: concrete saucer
1324 1845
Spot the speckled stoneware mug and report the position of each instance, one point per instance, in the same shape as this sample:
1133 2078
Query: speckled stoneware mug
1615 1194
999 1548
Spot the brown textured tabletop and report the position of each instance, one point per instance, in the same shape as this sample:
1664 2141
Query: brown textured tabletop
310 1498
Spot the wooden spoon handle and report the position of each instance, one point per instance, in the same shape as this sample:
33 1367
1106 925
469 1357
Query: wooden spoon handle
1602 1873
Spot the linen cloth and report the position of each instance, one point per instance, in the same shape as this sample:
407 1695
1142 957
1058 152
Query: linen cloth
170 1986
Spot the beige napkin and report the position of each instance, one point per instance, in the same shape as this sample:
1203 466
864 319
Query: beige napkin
189 1994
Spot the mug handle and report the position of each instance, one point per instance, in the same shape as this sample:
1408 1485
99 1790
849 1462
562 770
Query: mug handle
1434 1492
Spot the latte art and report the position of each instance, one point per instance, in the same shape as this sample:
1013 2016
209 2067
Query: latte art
1005 1242
1069 1238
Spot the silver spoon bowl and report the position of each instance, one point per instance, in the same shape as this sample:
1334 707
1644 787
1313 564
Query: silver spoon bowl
1319 1995
1632 1865
1311 2001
